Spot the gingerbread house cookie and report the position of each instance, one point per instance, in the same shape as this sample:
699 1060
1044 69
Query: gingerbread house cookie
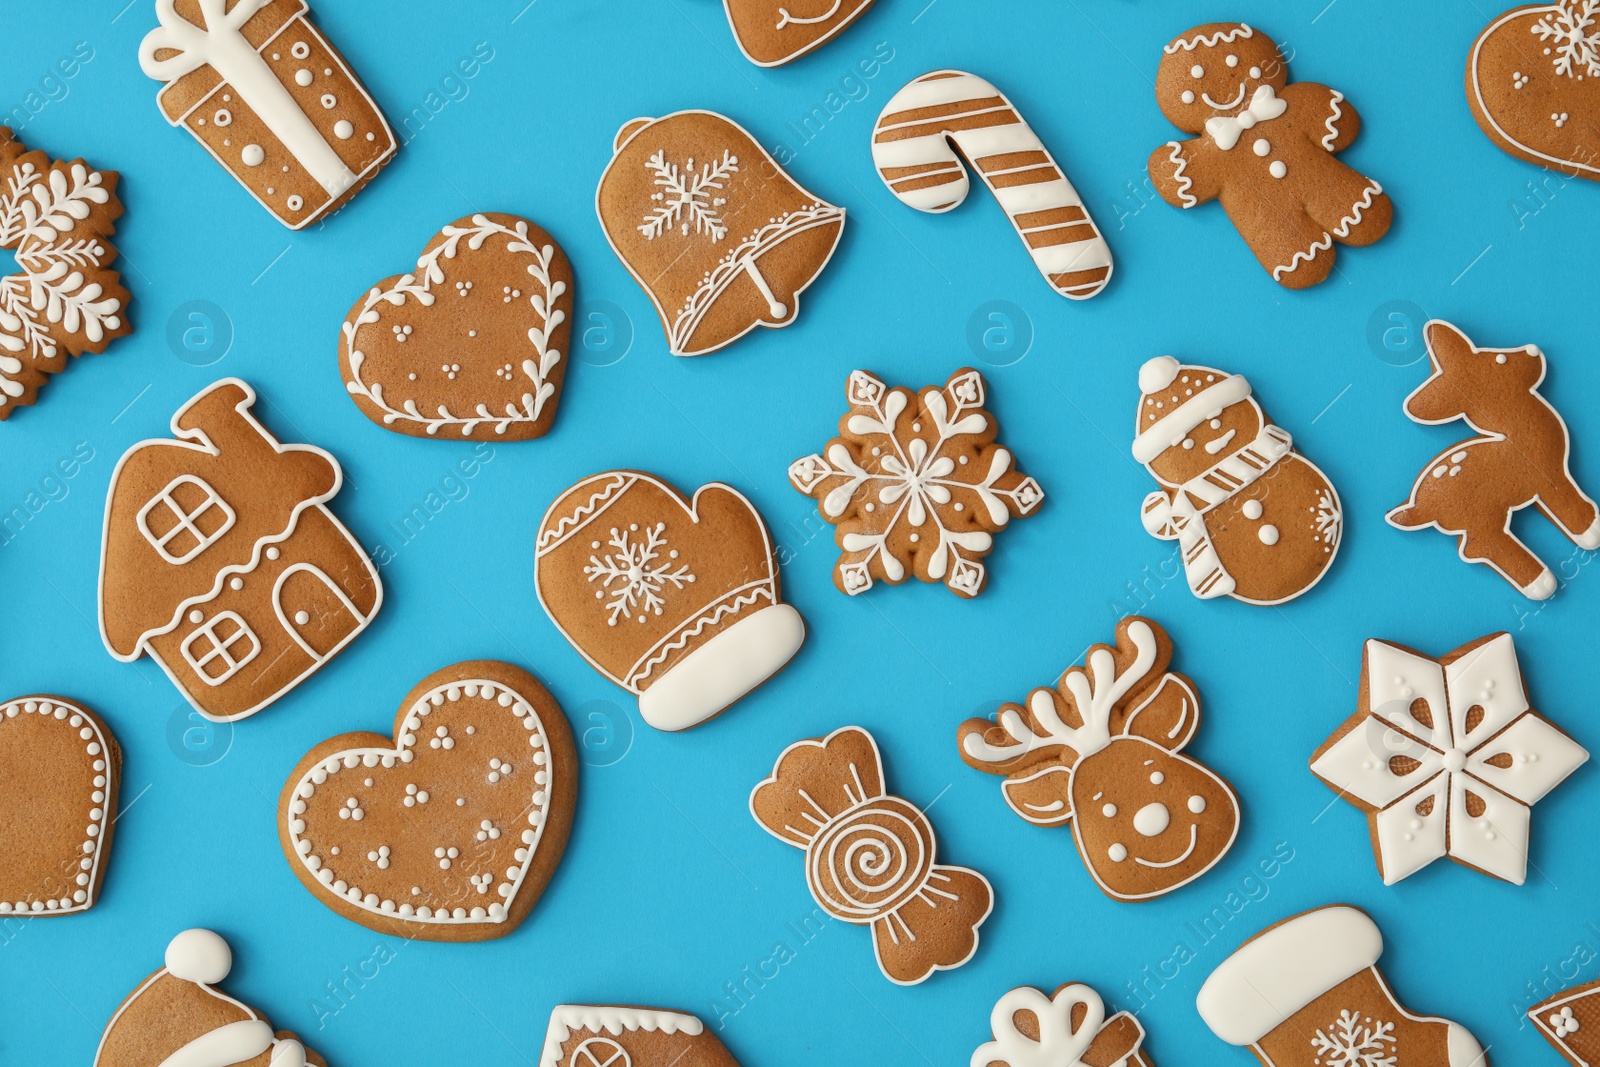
600 1035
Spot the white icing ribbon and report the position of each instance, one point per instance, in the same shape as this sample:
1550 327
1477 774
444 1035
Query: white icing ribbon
222 46
1059 1044
1227 129
237 1042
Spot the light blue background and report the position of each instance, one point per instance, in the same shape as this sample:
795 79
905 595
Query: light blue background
669 890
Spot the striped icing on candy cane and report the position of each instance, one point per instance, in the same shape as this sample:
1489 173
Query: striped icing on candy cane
915 148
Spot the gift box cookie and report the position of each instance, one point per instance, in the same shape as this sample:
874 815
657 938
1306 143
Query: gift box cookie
600 1035
271 99
1069 1028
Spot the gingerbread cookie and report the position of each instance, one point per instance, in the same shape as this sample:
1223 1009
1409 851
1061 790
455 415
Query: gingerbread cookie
773 32
1532 85
596 1035
450 831
916 484
1570 1021
871 856
473 343
1266 149
220 554
1067 1029
1255 520
673 599
928 128
59 773
1446 757
1519 458
177 1018
1307 992
717 233
1102 752
271 99
58 218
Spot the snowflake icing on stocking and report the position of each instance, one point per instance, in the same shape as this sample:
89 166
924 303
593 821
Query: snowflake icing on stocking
1572 32
635 574
917 482
686 197
1354 1042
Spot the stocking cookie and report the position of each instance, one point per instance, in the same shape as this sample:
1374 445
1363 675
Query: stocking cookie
1102 752
1518 459
58 218
271 99
1532 85
674 599
473 343
1068 1029
918 146
1255 520
450 831
597 1035
1570 1021
870 855
221 560
916 484
1307 992
717 233
773 32
59 773
1266 149
177 1018
1446 757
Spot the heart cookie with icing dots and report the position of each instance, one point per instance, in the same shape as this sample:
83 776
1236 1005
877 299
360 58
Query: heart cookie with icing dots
1533 84
59 772
450 831
473 343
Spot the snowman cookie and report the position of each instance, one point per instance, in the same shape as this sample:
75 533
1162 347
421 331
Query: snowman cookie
1256 521
1266 149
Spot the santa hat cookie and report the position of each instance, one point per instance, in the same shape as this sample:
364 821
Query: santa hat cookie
674 599
1068 1029
597 1035
1570 1021
1307 992
176 1016
1256 521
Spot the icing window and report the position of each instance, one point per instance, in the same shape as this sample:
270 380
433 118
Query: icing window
184 519
217 649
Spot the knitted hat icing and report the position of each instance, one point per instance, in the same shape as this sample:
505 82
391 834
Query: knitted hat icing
1176 398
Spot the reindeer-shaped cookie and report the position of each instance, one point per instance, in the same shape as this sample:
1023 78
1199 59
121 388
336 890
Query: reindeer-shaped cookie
1519 457
1103 752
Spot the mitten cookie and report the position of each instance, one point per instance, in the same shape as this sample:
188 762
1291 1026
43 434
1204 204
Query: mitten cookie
717 233
473 343
176 1018
1266 149
59 773
916 484
597 1035
450 831
674 599
773 32
1570 1021
1102 752
58 218
871 856
1446 757
1068 1029
1533 84
271 99
1519 458
221 560
1307 992
1255 520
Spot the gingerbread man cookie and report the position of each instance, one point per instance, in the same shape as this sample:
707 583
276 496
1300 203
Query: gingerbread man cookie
1266 149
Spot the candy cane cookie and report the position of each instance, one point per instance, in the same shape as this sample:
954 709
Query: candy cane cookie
935 120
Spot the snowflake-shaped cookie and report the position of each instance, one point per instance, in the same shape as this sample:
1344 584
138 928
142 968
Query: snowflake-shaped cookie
56 216
916 483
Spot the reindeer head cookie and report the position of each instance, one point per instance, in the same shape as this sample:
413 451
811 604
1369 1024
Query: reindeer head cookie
1102 751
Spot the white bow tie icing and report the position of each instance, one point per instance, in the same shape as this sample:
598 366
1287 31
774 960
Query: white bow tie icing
1226 129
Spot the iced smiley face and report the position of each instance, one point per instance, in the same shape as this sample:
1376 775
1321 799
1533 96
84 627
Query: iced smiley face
1224 431
1216 70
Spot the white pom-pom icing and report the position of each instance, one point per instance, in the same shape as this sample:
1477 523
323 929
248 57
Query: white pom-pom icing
199 956
1157 374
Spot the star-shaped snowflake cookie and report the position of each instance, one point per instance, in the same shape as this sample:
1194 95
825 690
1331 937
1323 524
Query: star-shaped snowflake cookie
916 483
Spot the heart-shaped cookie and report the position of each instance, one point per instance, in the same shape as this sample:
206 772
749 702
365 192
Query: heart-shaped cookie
473 343
1533 84
450 831
59 771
